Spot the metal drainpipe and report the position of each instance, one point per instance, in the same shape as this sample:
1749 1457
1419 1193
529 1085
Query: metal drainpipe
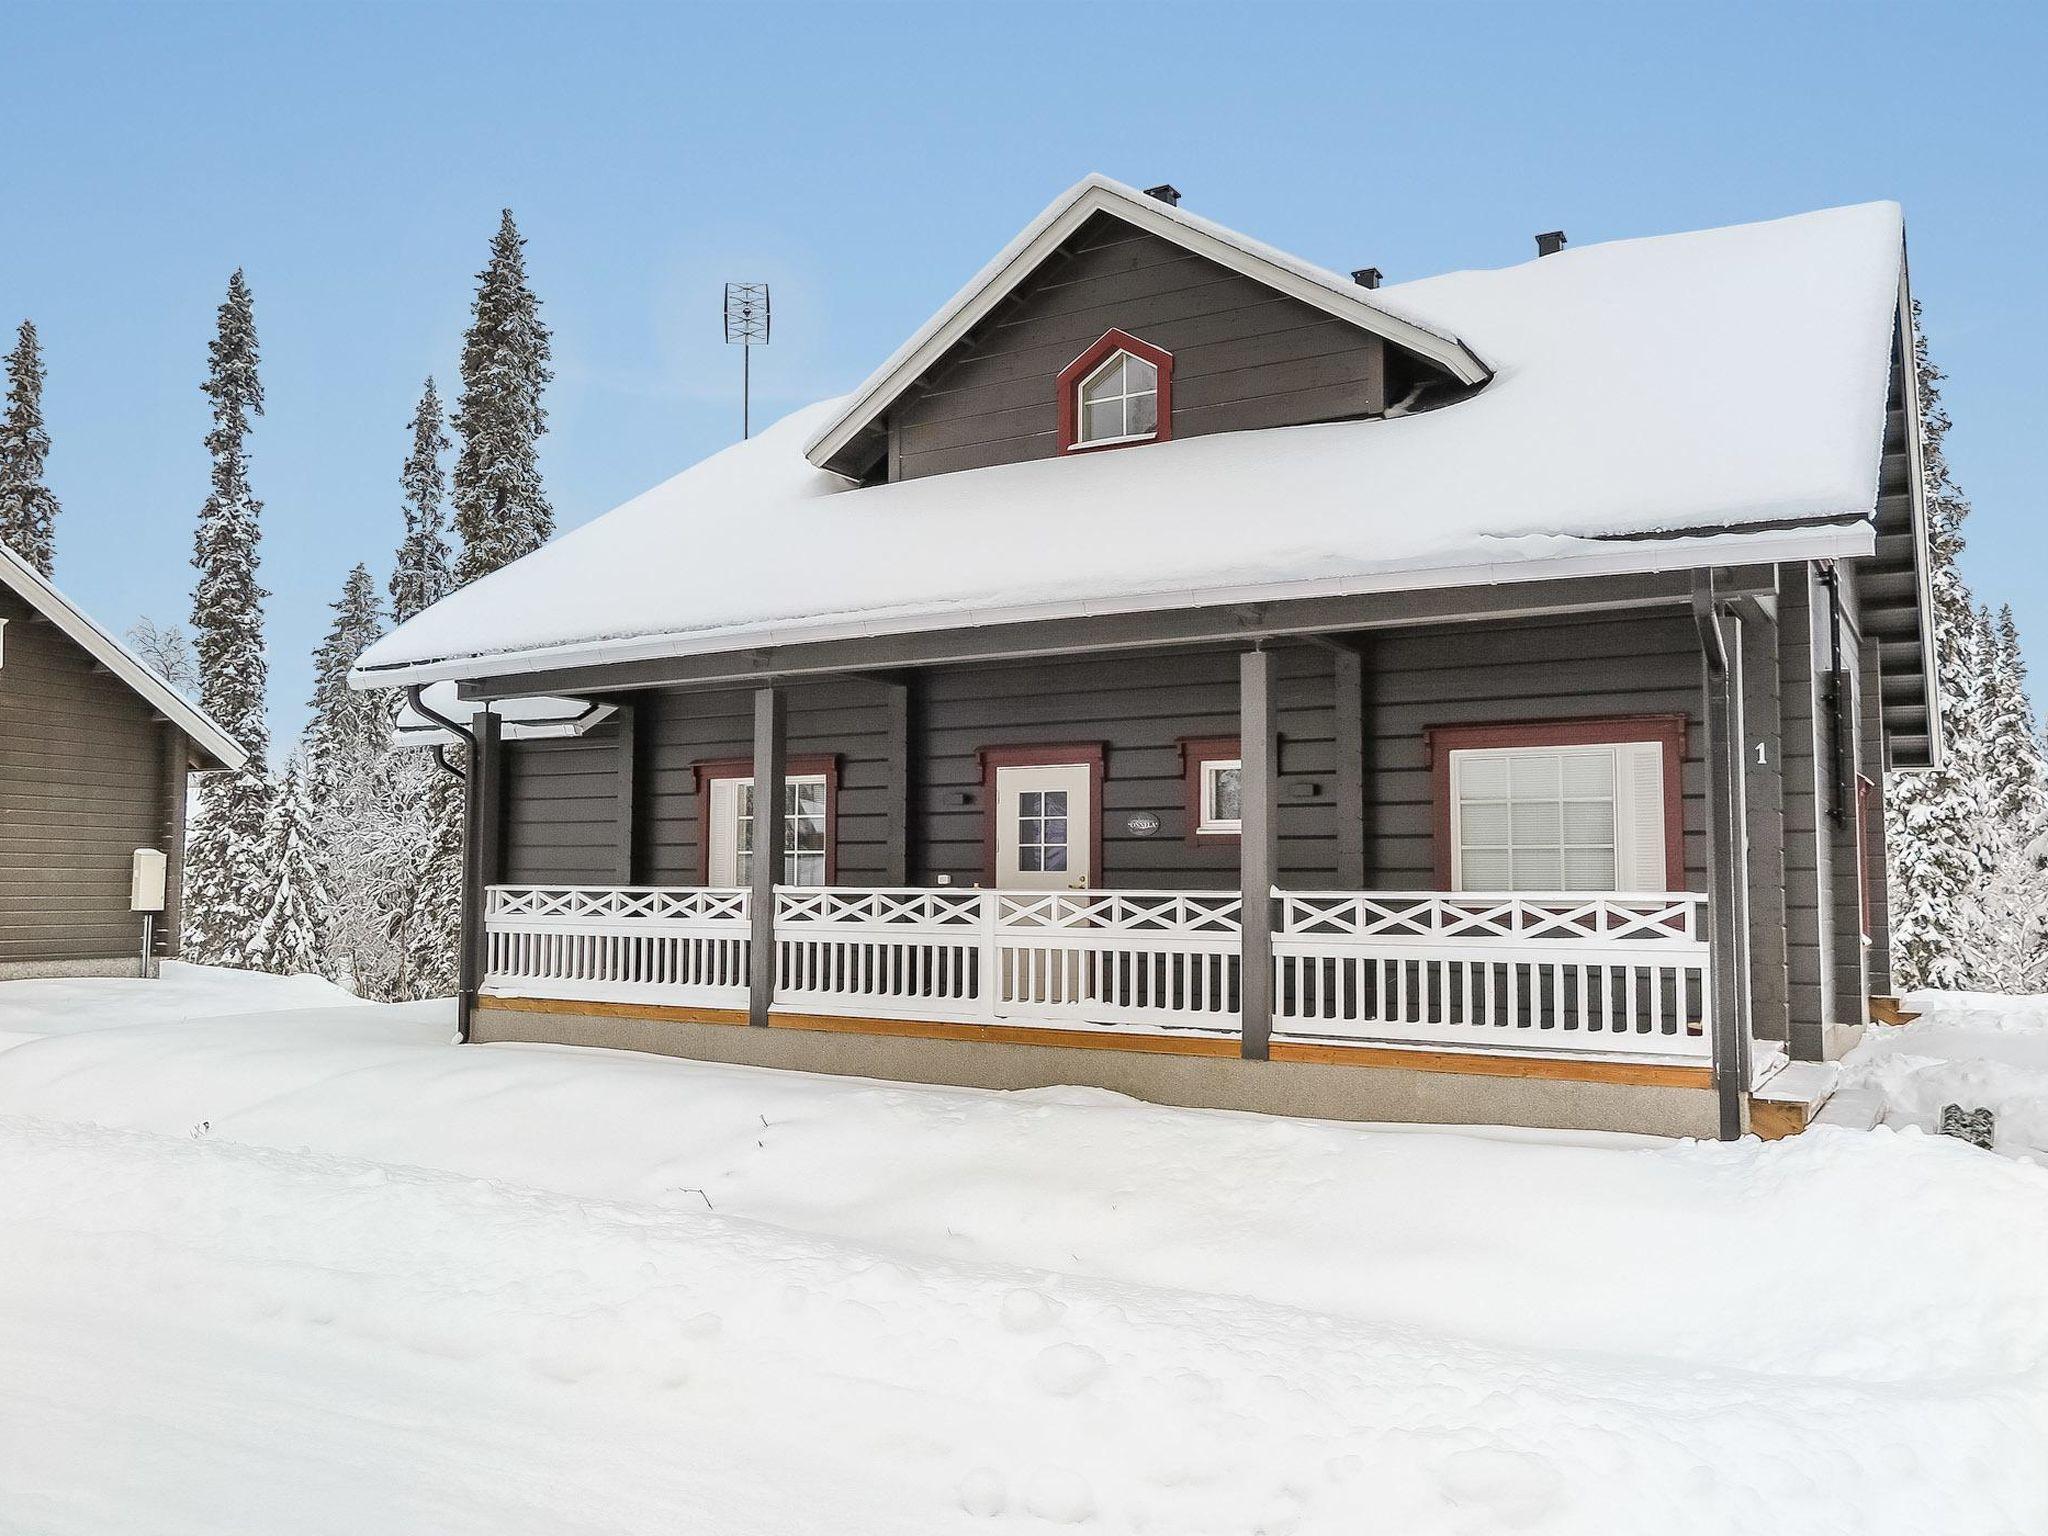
1728 1073
1837 758
463 1002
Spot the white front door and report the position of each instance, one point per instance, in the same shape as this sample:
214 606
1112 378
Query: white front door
1045 819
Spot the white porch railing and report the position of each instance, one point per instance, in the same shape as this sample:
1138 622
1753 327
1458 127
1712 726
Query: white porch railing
1573 974
625 944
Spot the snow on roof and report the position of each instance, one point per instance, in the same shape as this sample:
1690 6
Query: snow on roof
36 590
1728 384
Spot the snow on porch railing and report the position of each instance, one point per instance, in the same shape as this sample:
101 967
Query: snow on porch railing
618 944
1579 973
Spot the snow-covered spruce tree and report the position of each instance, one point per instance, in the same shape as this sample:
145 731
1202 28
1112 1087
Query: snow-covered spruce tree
2008 936
501 510
28 510
420 577
228 887
286 939
349 730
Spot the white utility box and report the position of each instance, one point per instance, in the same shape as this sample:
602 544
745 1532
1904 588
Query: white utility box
146 881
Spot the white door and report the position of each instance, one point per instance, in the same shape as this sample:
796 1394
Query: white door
1044 824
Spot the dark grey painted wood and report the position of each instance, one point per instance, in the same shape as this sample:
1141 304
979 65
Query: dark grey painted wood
174 754
485 808
1244 356
1723 731
896 708
625 752
771 745
1763 763
1878 957
1347 684
88 774
1258 850
1809 851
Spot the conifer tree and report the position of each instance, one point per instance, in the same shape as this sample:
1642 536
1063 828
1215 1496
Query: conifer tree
420 576
349 730
28 510
286 938
501 510
227 886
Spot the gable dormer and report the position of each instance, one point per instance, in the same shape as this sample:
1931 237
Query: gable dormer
1115 304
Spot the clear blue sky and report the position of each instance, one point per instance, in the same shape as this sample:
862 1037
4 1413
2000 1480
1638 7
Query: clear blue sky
866 160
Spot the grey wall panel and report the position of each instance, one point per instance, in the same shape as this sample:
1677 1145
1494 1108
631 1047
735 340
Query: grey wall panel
82 785
1244 356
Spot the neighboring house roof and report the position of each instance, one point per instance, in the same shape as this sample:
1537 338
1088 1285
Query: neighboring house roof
1655 404
1328 291
34 589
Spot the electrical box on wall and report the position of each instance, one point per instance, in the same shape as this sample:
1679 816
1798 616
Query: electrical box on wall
146 881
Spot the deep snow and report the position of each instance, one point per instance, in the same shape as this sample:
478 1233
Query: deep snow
313 1269
1974 1049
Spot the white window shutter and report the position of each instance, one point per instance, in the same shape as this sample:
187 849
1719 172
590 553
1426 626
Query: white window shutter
1640 819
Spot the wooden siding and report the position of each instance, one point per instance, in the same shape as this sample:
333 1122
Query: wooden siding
563 817
1244 356
83 784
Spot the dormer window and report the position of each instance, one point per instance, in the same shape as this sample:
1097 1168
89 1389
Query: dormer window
1117 393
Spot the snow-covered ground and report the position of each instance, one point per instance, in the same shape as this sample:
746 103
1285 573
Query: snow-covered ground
310 1269
1974 1049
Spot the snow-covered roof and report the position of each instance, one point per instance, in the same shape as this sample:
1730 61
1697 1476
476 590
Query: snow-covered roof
35 589
1655 404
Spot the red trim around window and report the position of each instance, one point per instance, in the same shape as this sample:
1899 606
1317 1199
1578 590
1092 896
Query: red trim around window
1070 388
823 764
1194 752
1667 730
1088 753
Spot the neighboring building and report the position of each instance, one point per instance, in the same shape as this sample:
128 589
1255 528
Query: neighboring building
1539 638
94 753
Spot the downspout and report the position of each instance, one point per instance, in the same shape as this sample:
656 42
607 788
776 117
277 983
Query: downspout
1728 1054
465 997
1838 766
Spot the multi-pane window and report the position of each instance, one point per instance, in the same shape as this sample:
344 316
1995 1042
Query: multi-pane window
803 831
1119 400
1042 830
1222 796
1541 819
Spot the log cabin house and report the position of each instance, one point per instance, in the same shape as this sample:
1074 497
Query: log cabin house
95 750
1189 671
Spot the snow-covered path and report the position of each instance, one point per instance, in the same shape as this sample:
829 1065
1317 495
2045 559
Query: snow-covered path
388 1285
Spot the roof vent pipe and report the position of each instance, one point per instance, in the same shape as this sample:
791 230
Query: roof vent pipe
1366 277
1550 242
1166 192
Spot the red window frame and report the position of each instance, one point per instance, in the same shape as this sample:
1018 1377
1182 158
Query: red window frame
1668 731
1194 752
1079 369
1088 753
815 765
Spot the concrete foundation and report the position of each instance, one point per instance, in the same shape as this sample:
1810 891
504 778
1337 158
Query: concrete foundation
32 970
1202 1082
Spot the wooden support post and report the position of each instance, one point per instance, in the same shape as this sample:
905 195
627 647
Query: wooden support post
1349 688
1258 851
483 857
896 748
1727 853
625 778
771 754
1763 767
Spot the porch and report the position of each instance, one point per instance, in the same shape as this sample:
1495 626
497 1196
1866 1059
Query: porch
1620 978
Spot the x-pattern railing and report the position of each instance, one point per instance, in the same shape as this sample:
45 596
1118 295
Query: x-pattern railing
1187 914
816 907
1658 917
613 904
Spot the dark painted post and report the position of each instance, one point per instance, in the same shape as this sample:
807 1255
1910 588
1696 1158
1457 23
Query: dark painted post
1258 850
771 752
1727 854
483 824
170 922
896 708
1348 685
625 776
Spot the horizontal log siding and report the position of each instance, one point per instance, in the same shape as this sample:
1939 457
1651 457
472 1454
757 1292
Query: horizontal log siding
563 803
1244 356
82 766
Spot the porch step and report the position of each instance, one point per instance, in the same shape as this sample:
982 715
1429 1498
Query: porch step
1889 1010
1855 1109
1791 1098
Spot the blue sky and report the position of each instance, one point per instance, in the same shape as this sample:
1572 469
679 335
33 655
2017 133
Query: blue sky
865 160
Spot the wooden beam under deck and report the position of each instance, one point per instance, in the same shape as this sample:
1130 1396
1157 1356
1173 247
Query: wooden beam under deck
1639 1074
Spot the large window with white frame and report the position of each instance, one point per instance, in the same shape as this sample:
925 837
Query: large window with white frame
805 828
1578 816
